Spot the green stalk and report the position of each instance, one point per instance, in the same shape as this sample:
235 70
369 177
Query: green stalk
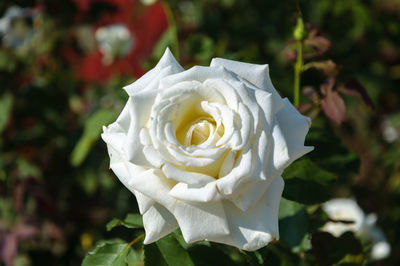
134 241
173 30
298 34
297 73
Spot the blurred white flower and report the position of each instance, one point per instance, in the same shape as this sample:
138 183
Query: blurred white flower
346 215
345 210
389 132
114 41
16 26
148 2
380 250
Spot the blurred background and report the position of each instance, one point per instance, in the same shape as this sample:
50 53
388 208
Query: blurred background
62 68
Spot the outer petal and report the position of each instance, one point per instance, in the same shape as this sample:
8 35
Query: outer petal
288 136
167 60
190 217
197 73
158 222
257 226
139 113
144 202
256 74
251 194
114 135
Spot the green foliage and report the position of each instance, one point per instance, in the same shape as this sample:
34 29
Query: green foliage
132 220
306 183
294 224
172 253
153 256
7 63
204 255
109 253
6 102
91 133
330 250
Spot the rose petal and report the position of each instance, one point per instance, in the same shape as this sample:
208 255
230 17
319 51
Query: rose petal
153 157
256 74
190 217
243 168
288 135
158 222
140 107
270 105
250 194
166 61
227 165
256 227
190 178
144 202
206 193
121 171
226 90
115 142
196 73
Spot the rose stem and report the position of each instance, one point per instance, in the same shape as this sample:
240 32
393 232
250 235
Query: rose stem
173 31
298 35
134 241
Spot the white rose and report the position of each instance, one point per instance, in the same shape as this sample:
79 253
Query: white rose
204 150
348 216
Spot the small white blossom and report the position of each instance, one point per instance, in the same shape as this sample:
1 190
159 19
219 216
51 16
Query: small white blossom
114 41
16 27
346 215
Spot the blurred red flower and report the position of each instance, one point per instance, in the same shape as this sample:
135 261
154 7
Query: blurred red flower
146 25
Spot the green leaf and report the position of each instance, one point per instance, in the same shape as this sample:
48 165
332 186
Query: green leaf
293 225
153 256
166 251
91 133
6 102
336 158
306 183
7 62
27 169
173 253
132 220
113 223
108 253
134 257
277 253
203 255
201 47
